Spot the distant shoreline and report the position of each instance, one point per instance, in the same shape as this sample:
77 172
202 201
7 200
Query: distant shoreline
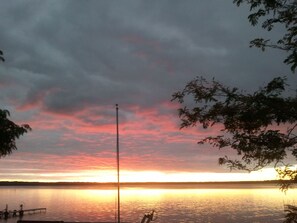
173 185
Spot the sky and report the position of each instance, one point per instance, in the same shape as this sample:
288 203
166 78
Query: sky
69 62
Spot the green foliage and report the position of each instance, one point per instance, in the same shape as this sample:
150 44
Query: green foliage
9 132
282 13
248 120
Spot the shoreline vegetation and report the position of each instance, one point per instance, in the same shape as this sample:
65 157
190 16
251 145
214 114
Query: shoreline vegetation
159 185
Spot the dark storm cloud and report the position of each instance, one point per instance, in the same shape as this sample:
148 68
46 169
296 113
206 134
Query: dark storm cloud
82 54
69 62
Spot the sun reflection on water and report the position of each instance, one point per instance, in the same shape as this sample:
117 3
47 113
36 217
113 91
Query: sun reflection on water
263 204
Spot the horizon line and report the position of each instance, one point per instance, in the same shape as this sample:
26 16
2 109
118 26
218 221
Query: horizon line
137 182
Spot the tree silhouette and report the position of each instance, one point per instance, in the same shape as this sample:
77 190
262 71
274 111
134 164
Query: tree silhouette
275 13
248 120
261 126
9 131
1 56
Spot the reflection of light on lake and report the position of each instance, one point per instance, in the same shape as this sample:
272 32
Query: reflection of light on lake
96 195
130 194
237 203
190 194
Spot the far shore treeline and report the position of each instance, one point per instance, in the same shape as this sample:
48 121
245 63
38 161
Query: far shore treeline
165 185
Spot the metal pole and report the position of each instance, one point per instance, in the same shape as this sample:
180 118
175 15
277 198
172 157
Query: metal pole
118 162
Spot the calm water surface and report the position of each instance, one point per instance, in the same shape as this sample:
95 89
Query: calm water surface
257 204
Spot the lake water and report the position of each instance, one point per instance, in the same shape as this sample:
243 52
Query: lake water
192 204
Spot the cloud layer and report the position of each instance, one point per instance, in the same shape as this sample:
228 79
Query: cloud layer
69 62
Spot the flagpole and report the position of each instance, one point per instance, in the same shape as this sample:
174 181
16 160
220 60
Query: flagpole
118 161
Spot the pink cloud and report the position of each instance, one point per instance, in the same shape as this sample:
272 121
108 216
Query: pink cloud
150 139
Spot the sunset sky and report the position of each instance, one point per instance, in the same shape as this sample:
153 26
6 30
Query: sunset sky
69 62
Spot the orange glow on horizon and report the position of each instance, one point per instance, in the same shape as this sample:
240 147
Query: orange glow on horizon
104 176
158 176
